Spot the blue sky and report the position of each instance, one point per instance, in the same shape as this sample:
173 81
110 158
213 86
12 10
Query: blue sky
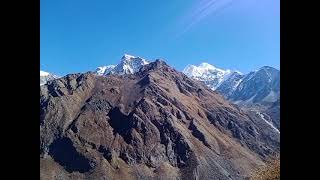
80 35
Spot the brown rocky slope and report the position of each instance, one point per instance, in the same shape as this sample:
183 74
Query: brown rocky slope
154 124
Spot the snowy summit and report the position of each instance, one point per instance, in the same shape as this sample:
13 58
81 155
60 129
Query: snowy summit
208 73
43 73
128 65
45 76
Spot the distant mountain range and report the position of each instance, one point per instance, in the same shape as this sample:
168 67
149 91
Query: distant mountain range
258 90
261 86
257 87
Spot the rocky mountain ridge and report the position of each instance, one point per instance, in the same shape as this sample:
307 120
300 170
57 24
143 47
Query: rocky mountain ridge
154 124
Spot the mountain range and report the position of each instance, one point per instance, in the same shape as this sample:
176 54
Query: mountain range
128 65
261 86
145 120
257 90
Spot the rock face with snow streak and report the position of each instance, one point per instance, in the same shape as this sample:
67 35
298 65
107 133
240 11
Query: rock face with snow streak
128 65
45 76
273 111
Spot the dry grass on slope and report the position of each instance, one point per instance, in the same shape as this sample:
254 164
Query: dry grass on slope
269 172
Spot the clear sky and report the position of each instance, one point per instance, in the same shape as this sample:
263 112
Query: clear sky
80 35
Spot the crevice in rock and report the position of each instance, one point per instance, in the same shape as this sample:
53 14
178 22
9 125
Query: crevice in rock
64 153
198 134
173 142
121 124
106 153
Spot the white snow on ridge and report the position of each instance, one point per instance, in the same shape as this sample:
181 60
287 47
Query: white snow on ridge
128 56
104 69
43 73
101 70
45 76
204 69
237 84
206 72
128 65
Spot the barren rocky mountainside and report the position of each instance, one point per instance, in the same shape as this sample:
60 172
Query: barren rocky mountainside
154 124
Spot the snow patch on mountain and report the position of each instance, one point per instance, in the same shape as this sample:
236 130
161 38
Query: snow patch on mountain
266 121
104 69
43 73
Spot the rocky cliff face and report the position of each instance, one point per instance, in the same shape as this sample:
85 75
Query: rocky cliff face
154 124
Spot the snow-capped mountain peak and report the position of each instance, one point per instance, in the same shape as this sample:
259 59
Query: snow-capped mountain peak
129 64
206 65
204 69
127 57
45 76
208 73
43 73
